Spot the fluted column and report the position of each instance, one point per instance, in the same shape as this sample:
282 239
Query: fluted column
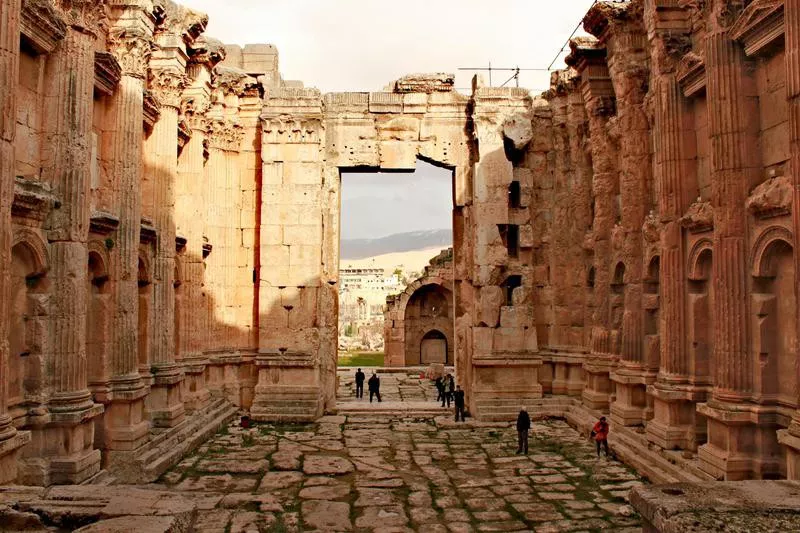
730 109
66 440
10 439
165 404
125 425
790 438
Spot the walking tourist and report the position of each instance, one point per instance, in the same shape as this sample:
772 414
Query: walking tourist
458 398
447 397
600 434
439 389
360 377
523 426
374 384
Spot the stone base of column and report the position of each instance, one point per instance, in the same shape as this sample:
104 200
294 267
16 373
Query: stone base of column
287 389
742 441
125 425
632 406
62 448
675 423
790 440
599 390
165 403
501 384
233 377
196 395
11 441
567 371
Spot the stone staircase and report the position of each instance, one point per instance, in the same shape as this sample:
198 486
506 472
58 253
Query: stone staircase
167 446
287 404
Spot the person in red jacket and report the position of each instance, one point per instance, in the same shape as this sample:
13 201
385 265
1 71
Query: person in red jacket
600 434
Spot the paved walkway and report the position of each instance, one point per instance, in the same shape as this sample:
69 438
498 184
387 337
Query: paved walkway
381 473
397 385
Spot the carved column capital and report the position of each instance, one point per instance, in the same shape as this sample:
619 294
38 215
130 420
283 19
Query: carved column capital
225 135
168 86
193 110
132 51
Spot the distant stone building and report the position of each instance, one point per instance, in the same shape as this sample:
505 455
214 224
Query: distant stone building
362 299
419 322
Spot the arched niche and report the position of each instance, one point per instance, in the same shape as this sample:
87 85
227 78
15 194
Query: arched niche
429 307
433 348
99 314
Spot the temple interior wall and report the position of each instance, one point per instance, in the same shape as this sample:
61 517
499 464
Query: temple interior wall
170 231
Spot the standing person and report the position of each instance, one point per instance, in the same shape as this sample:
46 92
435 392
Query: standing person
439 389
374 387
446 396
360 377
458 398
600 434
523 426
451 387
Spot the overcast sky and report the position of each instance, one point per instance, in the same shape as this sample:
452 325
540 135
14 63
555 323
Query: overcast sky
363 45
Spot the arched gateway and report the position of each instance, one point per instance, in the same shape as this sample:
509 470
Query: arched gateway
308 139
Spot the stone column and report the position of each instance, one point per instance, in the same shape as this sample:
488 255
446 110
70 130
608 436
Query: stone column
164 403
10 439
65 439
732 108
790 438
674 398
589 59
125 425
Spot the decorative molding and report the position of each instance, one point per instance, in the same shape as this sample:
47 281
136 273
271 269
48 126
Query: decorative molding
107 73
32 199
207 51
294 129
225 135
176 19
761 266
151 109
103 223
41 25
760 26
86 15
148 232
233 81
167 86
132 49
692 74
699 217
772 198
36 245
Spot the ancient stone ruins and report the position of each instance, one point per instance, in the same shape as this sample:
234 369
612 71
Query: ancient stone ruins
623 243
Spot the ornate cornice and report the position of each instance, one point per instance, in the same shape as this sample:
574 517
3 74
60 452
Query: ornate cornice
425 83
167 86
177 19
603 16
42 25
771 198
32 199
85 15
103 223
233 80
147 232
759 26
699 217
107 72
691 74
132 50
207 51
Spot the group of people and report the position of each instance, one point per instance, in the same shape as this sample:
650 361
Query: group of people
374 384
599 433
448 392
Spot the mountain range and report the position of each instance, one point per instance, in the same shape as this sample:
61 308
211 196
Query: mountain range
398 242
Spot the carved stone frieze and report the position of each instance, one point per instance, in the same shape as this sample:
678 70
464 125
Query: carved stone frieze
41 25
726 13
85 15
132 51
772 198
425 83
193 109
760 25
302 129
107 73
233 80
699 217
167 86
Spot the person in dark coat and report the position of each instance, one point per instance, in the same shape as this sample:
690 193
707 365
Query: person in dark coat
374 384
523 426
360 377
458 398
447 395
439 389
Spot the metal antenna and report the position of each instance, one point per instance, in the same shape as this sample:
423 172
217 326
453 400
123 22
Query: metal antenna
514 76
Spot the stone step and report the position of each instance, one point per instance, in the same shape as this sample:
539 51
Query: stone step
103 477
161 437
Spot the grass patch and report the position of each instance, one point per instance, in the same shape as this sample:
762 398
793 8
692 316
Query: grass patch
360 359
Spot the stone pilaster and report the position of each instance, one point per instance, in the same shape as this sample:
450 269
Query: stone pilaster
165 404
674 423
731 109
62 450
125 425
10 439
790 438
589 59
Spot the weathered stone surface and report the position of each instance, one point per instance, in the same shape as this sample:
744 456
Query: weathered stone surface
326 465
327 516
